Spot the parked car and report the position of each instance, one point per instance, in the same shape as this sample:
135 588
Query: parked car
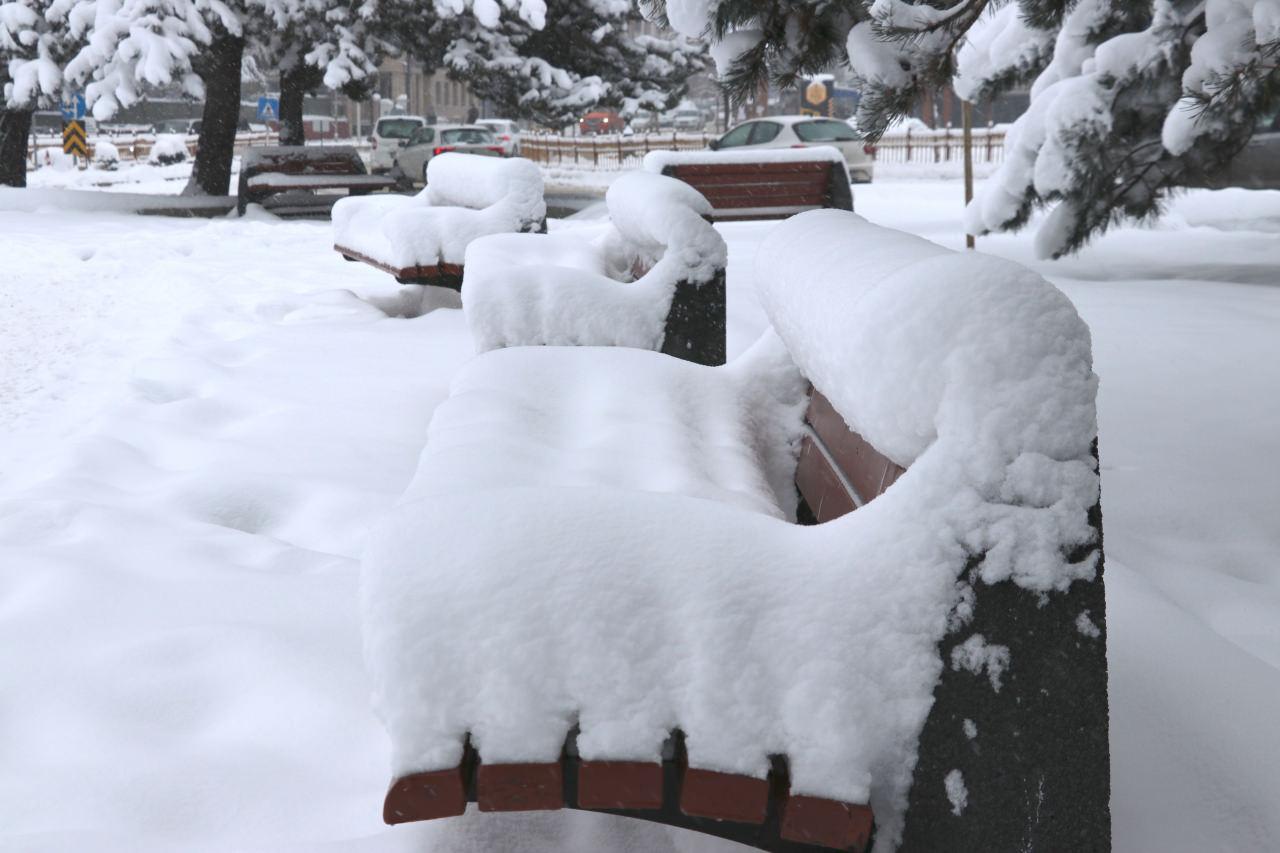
390 134
688 118
507 132
803 132
430 140
1256 167
184 126
600 121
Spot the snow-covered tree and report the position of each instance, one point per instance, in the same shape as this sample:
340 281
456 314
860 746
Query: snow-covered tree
202 45
36 39
1130 98
589 53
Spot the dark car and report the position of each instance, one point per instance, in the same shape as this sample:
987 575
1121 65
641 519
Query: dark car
1257 166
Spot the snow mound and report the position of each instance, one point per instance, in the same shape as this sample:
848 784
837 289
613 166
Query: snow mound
168 149
467 197
577 287
599 537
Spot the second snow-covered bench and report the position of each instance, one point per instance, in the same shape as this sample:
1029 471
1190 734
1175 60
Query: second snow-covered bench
594 595
760 184
423 239
652 276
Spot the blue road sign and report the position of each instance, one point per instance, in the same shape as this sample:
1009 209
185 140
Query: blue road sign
268 108
73 107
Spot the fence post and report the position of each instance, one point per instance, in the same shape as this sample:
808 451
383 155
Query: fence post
595 152
620 157
908 143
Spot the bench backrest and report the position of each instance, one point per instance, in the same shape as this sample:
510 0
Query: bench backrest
838 470
302 160
761 185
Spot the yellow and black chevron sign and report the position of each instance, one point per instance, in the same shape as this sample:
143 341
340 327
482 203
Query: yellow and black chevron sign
73 139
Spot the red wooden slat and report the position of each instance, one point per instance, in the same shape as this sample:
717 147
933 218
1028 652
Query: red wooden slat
724 796
619 785
520 787
425 796
695 169
826 823
868 470
762 198
820 485
804 179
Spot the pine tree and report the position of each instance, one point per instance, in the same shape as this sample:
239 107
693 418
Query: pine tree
588 54
1130 99
36 39
203 46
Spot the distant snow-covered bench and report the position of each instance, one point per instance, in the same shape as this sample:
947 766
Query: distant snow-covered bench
422 239
271 170
652 277
594 595
760 183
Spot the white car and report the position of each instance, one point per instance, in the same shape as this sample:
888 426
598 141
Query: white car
506 132
428 142
390 133
803 132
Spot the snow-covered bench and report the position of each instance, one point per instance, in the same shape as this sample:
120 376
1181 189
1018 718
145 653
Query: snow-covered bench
760 184
269 171
652 277
422 239
594 595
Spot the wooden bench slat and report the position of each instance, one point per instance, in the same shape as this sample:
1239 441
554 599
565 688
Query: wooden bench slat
821 485
759 812
756 198
868 470
689 170
807 179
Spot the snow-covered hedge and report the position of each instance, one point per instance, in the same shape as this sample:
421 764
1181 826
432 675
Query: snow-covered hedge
169 148
105 155
566 289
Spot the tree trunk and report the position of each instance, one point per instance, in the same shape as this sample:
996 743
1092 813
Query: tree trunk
219 68
292 91
15 131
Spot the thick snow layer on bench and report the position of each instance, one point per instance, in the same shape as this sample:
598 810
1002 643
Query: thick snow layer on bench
438 223
598 537
594 537
656 161
568 288
917 346
469 180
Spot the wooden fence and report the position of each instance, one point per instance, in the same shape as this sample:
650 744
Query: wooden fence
137 146
943 145
615 151
607 152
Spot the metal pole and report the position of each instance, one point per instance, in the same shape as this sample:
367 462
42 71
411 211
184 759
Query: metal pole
966 112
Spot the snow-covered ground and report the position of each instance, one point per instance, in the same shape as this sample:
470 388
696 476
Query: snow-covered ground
200 419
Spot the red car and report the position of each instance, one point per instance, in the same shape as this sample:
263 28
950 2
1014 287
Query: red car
600 121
